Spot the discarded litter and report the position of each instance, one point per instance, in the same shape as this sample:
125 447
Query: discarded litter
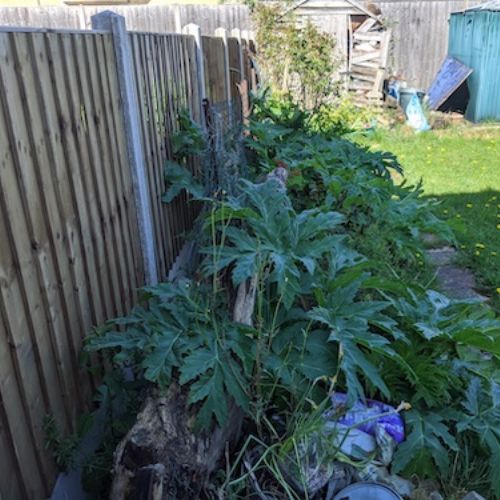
368 416
367 491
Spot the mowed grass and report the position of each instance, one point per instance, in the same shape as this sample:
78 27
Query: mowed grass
461 168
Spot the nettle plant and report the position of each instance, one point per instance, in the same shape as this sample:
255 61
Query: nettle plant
326 317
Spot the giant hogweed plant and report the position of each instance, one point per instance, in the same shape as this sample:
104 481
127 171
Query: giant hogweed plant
325 316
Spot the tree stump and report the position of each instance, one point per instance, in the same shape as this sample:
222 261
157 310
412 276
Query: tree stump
162 458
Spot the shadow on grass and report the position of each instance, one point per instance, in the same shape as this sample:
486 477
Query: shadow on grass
475 220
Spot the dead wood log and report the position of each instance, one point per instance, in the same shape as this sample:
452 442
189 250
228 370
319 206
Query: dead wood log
162 458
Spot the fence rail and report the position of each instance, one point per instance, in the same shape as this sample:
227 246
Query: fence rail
71 243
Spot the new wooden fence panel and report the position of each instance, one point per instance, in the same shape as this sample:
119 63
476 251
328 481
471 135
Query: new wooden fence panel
235 66
213 52
69 249
166 85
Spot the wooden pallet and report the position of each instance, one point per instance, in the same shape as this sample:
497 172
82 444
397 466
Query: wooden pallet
369 55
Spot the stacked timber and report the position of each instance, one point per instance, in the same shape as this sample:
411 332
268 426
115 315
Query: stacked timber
370 43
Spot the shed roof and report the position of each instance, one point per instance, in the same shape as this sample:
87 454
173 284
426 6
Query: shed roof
319 7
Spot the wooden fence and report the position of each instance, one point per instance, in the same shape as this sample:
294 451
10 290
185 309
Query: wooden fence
420 36
146 18
71 226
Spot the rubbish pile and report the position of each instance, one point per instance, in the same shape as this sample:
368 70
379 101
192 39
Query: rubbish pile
353 446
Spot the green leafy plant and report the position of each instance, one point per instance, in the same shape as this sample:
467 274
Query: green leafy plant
294 57
333 308
183 334
65 449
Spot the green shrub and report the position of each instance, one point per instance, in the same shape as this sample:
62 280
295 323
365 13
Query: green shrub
327 317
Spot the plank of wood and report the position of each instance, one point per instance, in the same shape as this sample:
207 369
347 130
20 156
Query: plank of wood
385 48
363 70
369 36
366 25
359 76
370 56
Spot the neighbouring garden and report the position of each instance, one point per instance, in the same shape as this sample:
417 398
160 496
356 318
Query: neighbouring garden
307 345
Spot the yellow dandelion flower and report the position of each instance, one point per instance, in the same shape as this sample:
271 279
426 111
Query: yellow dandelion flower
498 226
480 245
493 254
469 205
498 291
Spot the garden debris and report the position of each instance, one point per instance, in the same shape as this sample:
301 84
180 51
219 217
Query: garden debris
370 428
448 79
369 416
415 116
367 491
369 59
379 474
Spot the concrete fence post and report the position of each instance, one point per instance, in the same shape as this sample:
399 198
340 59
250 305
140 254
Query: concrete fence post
114 23
195 31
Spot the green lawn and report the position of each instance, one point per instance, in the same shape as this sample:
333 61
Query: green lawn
460 167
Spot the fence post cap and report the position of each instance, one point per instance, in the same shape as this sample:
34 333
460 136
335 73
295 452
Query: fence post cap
221 32
104 20
191 29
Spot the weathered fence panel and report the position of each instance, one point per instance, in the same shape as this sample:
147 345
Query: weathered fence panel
71 253
154 19
420 36
167 84
213 51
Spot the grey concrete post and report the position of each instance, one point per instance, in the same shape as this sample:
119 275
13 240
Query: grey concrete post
109 21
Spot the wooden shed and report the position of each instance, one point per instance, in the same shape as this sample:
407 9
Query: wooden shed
362 40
